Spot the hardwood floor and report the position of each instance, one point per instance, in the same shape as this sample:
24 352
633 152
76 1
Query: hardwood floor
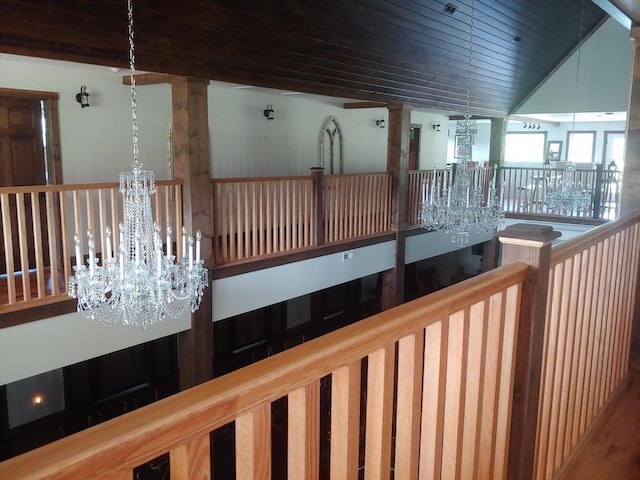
613 451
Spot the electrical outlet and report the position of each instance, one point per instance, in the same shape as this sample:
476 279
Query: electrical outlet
347 256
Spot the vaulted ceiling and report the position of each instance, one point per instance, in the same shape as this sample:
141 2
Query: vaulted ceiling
412 51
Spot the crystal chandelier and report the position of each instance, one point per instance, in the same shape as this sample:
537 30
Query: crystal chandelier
466 205
141 284
567 197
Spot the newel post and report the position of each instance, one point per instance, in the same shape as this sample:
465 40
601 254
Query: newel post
530 244
317 176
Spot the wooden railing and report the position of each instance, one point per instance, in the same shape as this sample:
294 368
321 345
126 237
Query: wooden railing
261 216
435 397
592 284
37 229
356 205
524 190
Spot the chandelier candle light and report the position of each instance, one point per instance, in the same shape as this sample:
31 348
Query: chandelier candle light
465 206
143 284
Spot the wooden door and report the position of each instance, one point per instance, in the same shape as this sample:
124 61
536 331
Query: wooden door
22 162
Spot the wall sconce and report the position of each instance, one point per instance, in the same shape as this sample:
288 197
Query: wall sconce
269 113
380 122
436 126
83 97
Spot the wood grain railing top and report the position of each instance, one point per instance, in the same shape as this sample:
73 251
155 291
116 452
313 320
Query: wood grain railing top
67 187
141 435
577 244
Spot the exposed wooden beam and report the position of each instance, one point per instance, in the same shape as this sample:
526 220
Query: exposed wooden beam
159 78
354 105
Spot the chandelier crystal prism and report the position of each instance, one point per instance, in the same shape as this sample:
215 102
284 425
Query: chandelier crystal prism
140 284
471 203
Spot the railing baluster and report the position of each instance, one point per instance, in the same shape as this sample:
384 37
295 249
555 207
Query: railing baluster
23 244
36 225
8 247
191 460
345 421
303 437
410 371
380 378
52 237
253 444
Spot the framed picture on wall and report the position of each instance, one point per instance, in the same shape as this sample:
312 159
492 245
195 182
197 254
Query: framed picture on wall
554 150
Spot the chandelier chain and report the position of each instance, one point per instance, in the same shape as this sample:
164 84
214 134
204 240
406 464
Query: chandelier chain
132 70
468 99
140 282
462 199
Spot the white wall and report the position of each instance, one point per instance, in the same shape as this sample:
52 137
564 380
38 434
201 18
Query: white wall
96 141
604 80
45 345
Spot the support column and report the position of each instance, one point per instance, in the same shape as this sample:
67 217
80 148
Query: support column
190 125
630 196
317 175
530 244
397 165
497 141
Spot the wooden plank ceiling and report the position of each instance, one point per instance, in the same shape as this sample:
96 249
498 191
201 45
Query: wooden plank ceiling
410 51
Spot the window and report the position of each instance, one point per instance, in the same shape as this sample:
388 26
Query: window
581 146
525 146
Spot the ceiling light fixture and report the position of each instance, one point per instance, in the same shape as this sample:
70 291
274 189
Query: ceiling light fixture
141 284
464 206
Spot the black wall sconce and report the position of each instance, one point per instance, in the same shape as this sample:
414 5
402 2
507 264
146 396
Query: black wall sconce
83 97
269 113
436 126
380 122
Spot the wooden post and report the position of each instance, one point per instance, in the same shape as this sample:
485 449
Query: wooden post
317 175
597 192
397 166
190 125
630 196
497 141
530 244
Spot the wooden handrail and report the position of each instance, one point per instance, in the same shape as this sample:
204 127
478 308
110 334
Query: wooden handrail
575 245
67 187
114 448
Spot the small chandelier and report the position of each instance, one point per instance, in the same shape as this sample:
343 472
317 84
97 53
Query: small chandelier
464 206
567 197
142 284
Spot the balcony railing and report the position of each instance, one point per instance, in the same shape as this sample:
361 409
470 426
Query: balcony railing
38 226
253 217
425 389
440 369
263 216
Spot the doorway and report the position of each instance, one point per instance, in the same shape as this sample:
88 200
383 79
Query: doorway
613 149
414 147
29 142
